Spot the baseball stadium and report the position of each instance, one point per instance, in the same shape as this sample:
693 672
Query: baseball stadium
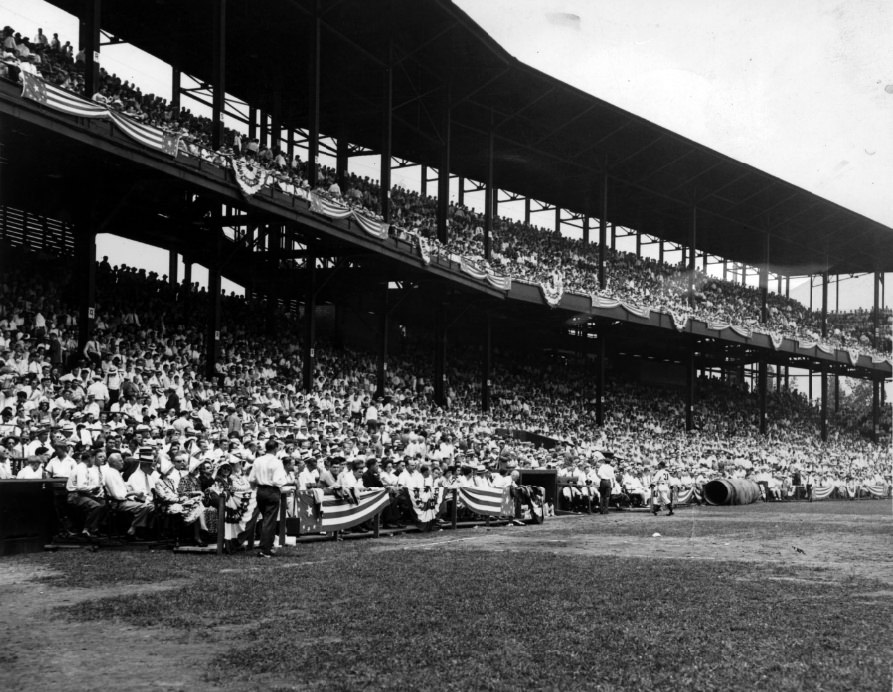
452 375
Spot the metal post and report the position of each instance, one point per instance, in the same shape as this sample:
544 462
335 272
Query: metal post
454 510
439 355
85 251
175 90
824 405
172 267
461 191
308 346
725 270
763 385
489 192
693 244
638 243
557 220
690 389
252 122
836 393
764 283
213 338
875 408
600 378
424 181
602 230
613 236
221 513
90 23
341 156
585 230
264 129
386 137
527 211
380 385
218 72
660 251
313 100
877 311
824 304
443 174
486 362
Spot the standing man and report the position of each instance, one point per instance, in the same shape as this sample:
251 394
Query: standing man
268 476
661 493
606 479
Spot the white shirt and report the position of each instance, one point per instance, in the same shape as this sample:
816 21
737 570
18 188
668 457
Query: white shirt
268 471
61 468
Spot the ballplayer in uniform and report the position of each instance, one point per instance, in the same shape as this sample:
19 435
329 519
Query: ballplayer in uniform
660 482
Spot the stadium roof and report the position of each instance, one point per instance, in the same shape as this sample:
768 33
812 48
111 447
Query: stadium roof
551 140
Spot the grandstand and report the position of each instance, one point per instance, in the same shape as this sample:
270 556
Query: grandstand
459 320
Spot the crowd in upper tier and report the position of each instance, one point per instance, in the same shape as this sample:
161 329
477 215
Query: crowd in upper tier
519 250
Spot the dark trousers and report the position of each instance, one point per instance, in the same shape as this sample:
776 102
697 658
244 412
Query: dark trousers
268 499
604 491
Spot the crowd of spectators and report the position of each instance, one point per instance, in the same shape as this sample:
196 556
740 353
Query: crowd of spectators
131 420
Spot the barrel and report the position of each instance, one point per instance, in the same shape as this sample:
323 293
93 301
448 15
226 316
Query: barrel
731 491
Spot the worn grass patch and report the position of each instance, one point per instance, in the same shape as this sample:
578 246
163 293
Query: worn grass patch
477 620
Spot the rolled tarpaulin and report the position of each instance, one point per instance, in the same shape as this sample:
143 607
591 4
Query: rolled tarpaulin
731 491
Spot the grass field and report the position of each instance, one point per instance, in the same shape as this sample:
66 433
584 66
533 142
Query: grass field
777 597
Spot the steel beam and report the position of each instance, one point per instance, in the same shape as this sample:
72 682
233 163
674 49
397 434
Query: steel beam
218 71
490 195
313 97
90 21
386 135
308 346
439 355
382 367
443 174
602 228
486 358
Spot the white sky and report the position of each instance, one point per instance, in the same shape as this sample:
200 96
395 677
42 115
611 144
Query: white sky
802 89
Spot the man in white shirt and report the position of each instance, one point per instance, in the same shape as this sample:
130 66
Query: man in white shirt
86 493
411 478
606 481
32 470
268 476
123 498
5 466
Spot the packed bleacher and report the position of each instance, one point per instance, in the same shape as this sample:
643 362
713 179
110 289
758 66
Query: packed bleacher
131 424
521 251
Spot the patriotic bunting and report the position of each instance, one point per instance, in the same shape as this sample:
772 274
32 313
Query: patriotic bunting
147 135
854 355
776 341
51 96
424 249
470 268
328 207
250 178
552 291
339 514
238 509
488 502
503 283
374 227
741 331
637 311
426 502
679 321
34 88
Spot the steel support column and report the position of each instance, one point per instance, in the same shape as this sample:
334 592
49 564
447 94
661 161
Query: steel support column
557 220
876 385
313 98
876 331
218 72
613 236
764 283
90 23
602 229
690 375
824 304
600 378
489 193
660 251
212 339
692 251
585 230
443 174
423 184
85 254
439 355
341 156
763 384
383 326
527 211
824 404
175 90
486 362
173 265
387 136
308 347
252 122
836 393
638 243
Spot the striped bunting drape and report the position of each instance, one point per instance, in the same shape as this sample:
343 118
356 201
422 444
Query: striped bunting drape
337 514
36 89
488 502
